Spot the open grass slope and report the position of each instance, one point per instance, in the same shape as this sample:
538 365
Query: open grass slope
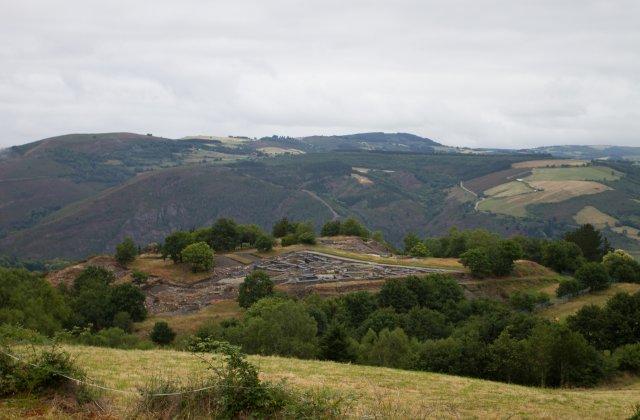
563 309
374 392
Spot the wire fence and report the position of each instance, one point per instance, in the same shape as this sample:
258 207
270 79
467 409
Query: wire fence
122 391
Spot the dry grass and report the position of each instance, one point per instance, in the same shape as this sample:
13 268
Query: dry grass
549 163
154 265
509 189
560 311
446 263
189 323
590 214
377 392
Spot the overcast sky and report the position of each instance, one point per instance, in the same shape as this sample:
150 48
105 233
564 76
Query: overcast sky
474 73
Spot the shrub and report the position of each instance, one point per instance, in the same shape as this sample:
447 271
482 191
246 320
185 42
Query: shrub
39 372
255 286
622 267
162 333
130 299
264 243
289 239
126 251
527 301
419 250
139 277
594 276
308 238
568 287
331 228
628 358
123 321
199 255
233 390
351 227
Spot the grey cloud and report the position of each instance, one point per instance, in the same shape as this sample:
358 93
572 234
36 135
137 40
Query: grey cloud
475 73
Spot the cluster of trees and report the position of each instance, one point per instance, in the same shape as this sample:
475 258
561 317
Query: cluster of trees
348 227
426 323
92 301
196 247
294 232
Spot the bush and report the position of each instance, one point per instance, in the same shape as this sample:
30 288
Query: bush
126 251
199 255
289 239
109 337
234 390
264 243
527 301
308 238
594 276
419 250
622 267
139 277
162 333
331 228
628 358
123 321
568 287
40 372
255 286
351 227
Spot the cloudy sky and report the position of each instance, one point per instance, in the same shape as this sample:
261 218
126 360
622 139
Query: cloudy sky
475 73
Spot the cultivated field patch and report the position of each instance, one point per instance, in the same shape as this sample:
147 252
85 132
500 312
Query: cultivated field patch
585 173
549 192
544 163
598 219
509 189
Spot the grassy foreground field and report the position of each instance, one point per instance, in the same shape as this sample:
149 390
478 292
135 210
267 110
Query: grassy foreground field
373 392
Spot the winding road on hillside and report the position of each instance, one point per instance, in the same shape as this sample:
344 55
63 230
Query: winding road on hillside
327 205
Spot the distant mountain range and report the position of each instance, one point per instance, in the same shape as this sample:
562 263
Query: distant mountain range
80 194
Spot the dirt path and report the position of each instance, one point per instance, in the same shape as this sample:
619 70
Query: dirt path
327 205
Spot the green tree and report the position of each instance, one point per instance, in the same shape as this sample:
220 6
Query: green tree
162 333
128 298
410 241
126 251
506 252
419 250
590 241
351 227
568 287
28 300
264 243
395 294
282 327
199 255
283 227
478 260
358 306
425 324
123 321
622 267
225 235
390 348
174 244
255 286
562 256
379 320
594 276
336 345
331 228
